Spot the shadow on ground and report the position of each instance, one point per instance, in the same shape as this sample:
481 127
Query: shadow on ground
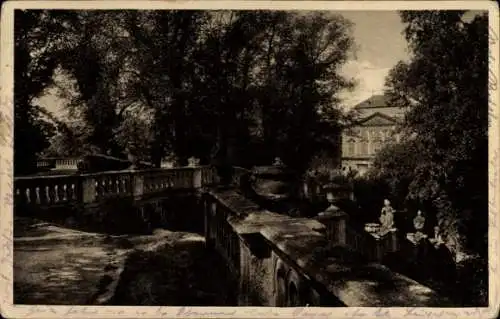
60 266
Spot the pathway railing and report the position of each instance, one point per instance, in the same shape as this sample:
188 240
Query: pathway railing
87 188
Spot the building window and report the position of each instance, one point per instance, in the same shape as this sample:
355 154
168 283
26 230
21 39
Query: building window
364 147
351 147
383 135
364 143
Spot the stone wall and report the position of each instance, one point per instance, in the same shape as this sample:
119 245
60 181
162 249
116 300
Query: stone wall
287 261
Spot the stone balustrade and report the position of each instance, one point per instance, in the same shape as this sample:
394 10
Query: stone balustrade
43 164
47 190
89 188
372 246
275 260
278 260
67 164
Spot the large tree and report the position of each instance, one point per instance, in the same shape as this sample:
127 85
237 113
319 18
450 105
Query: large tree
445 87
39 37
213 83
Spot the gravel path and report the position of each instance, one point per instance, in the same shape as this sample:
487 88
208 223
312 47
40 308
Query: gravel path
60 266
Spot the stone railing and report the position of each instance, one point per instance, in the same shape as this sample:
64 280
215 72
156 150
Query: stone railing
47 190
221 234
58 163
67 163
88 188
369 245
285 261
44 164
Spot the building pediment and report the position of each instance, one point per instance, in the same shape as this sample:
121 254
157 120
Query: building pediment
378 119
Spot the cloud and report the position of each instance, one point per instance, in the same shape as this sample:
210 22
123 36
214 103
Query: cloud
369 80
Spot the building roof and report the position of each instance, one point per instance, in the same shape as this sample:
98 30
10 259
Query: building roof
378 104
373 102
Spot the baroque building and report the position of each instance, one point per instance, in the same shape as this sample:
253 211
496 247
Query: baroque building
374 128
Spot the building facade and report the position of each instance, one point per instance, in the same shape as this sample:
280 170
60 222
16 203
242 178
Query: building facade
375 128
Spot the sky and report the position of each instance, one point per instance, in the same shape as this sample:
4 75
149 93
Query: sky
380 45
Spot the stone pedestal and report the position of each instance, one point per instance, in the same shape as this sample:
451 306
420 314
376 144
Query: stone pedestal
137 185
197 180
335 221
88 190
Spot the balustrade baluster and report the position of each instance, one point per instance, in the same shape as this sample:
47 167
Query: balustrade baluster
28 197
32 195
18 196
47 198
105 184
56 193
109 188
37 192
72 192
62 192
97 187
103 187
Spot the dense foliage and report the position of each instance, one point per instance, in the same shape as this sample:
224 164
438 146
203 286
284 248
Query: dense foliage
442 159
37 36
224 86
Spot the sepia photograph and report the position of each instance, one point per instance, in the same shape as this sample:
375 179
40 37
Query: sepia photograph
249 157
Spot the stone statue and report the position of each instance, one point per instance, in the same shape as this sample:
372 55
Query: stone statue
419 222
193 161
437 240
277 162
387 216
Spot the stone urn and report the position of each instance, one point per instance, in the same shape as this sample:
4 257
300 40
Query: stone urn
193 162
133 161
334 193
271 182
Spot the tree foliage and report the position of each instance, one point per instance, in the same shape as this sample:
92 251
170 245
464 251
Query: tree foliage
238 87
37 36
442 158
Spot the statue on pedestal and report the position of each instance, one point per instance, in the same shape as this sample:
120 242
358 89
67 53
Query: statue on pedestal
277 162
418 223
386 217
437 240
387 214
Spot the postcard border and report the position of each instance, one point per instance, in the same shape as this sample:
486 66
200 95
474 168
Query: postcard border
6 175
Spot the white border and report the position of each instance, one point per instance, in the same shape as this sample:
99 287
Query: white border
6 156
